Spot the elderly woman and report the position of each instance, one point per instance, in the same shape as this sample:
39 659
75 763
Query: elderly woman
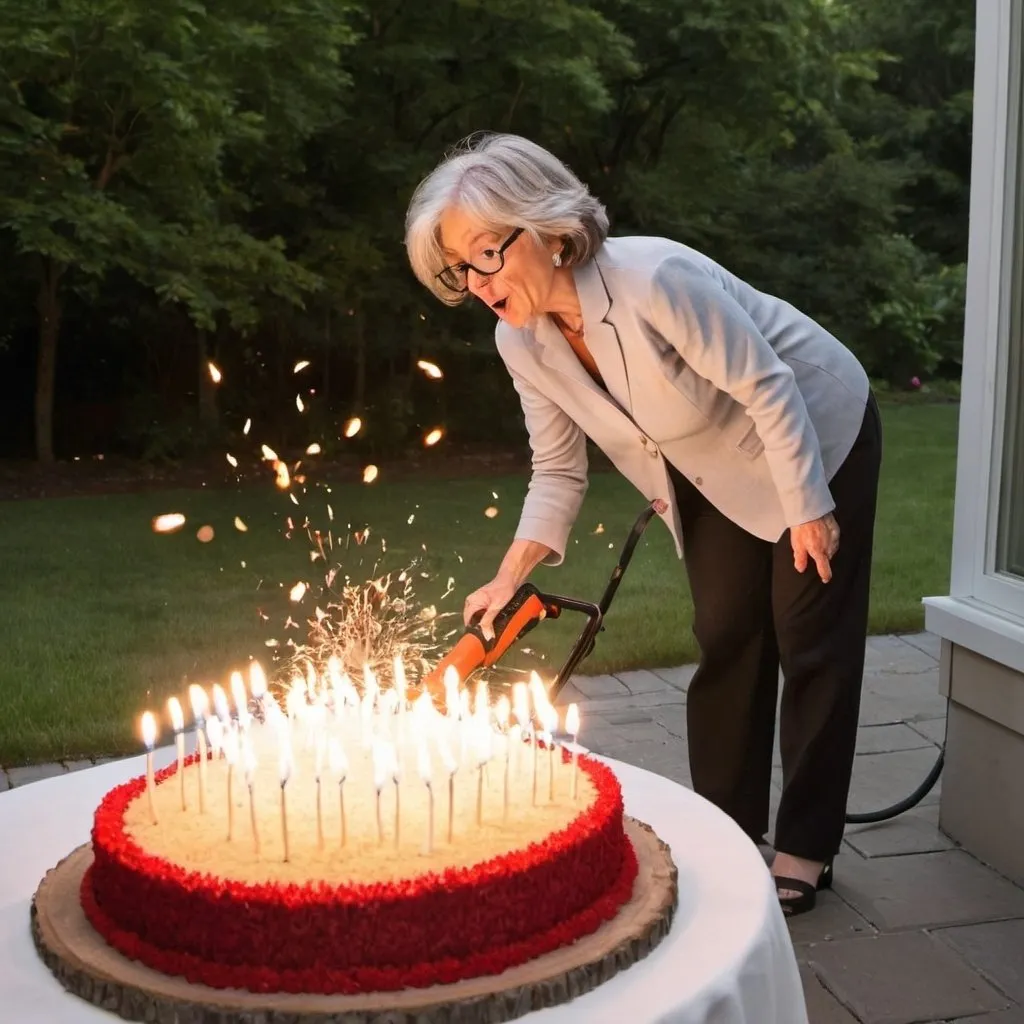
753 422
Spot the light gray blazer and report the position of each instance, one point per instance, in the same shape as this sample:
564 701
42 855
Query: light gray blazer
751 400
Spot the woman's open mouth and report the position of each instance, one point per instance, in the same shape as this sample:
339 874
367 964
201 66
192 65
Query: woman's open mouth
500 305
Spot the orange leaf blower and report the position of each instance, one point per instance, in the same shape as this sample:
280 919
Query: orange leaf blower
528 607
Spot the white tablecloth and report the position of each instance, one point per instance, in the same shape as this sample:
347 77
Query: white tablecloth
727 960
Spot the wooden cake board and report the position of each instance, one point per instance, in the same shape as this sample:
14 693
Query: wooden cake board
87 967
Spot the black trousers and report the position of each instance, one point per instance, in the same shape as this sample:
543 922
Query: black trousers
754 612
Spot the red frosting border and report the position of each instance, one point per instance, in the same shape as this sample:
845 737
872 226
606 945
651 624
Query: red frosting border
316 938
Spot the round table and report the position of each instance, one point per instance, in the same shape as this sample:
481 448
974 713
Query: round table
727 960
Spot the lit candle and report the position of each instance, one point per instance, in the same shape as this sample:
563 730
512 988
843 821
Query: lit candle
249 761
451 767
220 705
502 712
521 708
423 763
572 726
285 770
366 706
200 704
401 692
231 754
319 805
215 734
393 759
483 755
258 687
149 739
241 699
339 766
549 717
380 775
178 725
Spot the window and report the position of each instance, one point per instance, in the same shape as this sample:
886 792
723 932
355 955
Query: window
1010 543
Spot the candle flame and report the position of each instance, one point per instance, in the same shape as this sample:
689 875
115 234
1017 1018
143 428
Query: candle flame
503 710
433 436
338 760
240 696
297 592
451 690
215 375
370 474
430 369
249 761
177 718
370 685
300 365
572 720
199 701
284 765
257 680
220 703
313 449
380 765
483 741
215 734
353 426
482 700
170 522
521 702
450 764
149 731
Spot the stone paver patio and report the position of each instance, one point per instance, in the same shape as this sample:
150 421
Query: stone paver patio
916 931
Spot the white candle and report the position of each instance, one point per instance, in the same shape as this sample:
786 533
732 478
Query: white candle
319 803
423 765
200 705
501 713
149 739
483 755
285 771
465 724
249 762
451 767
178 725
380 775
572 726
393 758
401 691
231 754
550 720
339 766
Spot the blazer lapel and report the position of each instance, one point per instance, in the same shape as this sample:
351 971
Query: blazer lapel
600 336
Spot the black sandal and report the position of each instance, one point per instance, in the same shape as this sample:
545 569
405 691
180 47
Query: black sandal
807 894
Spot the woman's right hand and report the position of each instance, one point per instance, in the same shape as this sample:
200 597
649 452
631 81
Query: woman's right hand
487 601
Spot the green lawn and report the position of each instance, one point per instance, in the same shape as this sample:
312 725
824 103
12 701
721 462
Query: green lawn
103 618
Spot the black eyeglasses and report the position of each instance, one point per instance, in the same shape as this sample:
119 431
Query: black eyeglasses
456 277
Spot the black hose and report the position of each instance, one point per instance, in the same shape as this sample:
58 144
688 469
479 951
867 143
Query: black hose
907 802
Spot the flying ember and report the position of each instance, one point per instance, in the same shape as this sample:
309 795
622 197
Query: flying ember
433 436
168 523
300 365
313 449
369 474
215 375
353 426
430 369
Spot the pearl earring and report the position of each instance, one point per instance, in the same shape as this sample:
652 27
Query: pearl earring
556 259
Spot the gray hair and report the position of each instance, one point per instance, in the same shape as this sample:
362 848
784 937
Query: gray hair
505 181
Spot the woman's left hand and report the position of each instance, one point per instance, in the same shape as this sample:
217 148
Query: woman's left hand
817 540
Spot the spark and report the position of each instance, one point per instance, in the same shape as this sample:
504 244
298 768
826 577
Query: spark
430 369
313 449
494 495
294 500
215 375
297 592
410 519
300 365
433 436
283 480
600 529
298 403
246 428
269 454
231 459
240 525
369 474
170 522
490 512
204 534
330 513
353 426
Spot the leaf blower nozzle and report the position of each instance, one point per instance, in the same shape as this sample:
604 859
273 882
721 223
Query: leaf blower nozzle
473 651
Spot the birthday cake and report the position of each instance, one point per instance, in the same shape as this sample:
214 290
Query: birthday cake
347 852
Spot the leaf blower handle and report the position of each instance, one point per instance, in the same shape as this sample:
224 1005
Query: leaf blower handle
525 609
